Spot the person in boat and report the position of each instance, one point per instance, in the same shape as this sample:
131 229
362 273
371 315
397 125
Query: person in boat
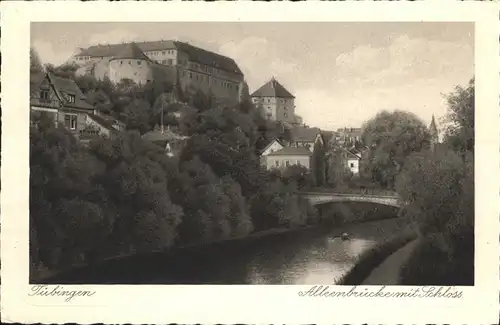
344 236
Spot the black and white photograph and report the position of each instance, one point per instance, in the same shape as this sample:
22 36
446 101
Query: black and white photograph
252 153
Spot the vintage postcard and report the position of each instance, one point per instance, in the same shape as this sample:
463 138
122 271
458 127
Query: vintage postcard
250 163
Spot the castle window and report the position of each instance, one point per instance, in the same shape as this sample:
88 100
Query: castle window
129 62
163 52
285 114
121 62
170 61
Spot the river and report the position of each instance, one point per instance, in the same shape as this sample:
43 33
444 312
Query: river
312 256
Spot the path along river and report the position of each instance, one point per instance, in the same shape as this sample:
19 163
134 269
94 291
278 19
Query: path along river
312 256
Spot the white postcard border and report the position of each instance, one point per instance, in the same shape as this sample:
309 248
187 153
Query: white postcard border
241 304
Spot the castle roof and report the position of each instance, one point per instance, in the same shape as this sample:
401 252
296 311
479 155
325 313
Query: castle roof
130 51
195 53
272 89
292 151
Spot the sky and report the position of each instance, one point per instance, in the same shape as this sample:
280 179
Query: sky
341 74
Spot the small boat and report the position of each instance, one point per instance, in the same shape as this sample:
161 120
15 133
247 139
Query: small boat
345 236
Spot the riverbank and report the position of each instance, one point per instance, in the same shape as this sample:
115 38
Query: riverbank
371 260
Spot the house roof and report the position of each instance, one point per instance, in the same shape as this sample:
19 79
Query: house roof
63 88
272 89
292 151
102 121
304 134
353 154
270 144
195 53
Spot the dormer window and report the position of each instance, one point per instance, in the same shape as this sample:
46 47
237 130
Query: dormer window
71 98
44 95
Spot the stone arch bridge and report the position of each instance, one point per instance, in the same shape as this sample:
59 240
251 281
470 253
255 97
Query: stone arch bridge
319 198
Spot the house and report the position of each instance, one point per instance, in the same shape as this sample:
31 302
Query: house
61 100
273 146
180 63
305 137
351 159
289 156
170 141
275 102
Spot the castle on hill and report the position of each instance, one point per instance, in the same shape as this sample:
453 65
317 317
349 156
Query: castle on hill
180 63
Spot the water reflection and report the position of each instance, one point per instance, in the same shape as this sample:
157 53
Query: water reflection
321 261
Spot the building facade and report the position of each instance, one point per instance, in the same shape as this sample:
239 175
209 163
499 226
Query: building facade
275 102
289 156
195 69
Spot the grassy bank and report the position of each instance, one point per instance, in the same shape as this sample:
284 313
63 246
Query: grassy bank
372 258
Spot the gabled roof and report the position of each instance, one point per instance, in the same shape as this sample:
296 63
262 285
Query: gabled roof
195 53
292 151
63 87
272 89
130 51
304 134
270 144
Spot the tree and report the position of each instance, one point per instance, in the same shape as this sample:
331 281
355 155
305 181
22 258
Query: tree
138 116
298 176
35 62
65 201
318 163
460 131
391 138
145 218
438 188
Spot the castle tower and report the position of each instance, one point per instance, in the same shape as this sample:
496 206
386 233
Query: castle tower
434 133
130 63
275 102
